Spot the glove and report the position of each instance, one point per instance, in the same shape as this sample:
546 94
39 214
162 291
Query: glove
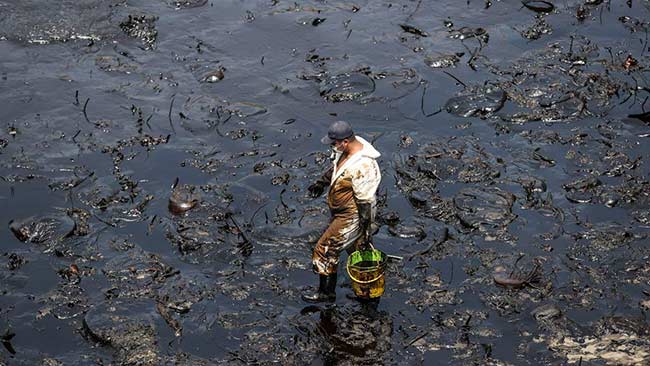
317 189
365 222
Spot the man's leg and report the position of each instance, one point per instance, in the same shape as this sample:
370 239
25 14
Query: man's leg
325 260
325 263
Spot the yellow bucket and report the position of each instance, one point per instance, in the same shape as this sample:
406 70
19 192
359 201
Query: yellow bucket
366 270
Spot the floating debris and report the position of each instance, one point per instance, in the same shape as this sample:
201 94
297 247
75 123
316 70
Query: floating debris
406 232
136 274
66 302
600 240
180 293
515 279
546 312
143 28
443 61
128 327
538 92
115 64
480 102
411 29
467 33
186 4
81 217
487 209
582 13
614 341
317 21
200 239
15 261
630 62
42 229
183 198
346 87
539 6
214 76
583 190
245 109
535 31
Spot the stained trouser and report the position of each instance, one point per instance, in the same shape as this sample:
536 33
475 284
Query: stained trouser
326 259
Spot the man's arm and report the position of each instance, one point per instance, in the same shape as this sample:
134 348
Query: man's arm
365 182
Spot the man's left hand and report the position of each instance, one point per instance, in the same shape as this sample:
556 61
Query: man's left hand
365 223
364 245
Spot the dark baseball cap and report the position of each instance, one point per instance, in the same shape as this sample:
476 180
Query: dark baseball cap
338 130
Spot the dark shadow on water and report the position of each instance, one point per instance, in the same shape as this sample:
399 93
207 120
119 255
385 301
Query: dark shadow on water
355 332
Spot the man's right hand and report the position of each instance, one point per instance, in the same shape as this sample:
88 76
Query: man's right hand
316 189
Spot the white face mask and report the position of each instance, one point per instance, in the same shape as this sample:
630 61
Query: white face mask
336 150
334 153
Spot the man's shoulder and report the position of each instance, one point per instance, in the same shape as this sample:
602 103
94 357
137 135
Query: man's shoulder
368 159
365 163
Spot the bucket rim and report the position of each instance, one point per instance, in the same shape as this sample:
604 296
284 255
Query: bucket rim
377 256
382 260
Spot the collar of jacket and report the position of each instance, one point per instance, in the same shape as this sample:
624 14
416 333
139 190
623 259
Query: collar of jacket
368 151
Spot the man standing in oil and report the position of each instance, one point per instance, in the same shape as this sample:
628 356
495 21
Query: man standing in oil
352 179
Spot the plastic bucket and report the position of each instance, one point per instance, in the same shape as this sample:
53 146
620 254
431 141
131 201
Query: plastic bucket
366 270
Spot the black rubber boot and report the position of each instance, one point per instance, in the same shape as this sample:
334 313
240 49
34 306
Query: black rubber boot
326 290
331 286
